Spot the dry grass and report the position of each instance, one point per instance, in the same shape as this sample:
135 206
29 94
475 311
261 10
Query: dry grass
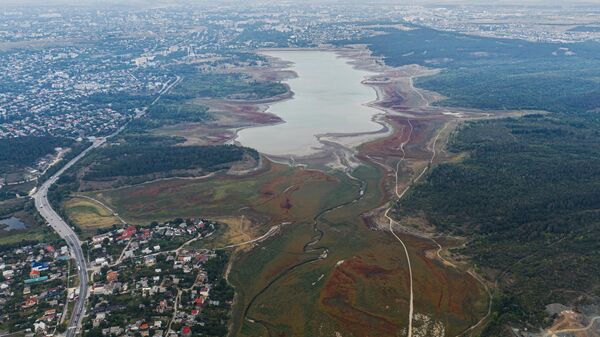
239 229
89 215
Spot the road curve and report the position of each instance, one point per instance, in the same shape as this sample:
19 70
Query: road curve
66 232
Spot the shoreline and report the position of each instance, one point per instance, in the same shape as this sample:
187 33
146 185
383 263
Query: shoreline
351 141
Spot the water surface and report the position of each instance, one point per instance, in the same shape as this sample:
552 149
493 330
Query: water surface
328 98
12 223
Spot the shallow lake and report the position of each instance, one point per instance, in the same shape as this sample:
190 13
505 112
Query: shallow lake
12 223
328 98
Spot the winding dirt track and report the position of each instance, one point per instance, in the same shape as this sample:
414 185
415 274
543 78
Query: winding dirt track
309 247
423 107
400 195
589 326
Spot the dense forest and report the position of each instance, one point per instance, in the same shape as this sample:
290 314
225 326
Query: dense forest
528 198
551 85
492 73
137 158
26 151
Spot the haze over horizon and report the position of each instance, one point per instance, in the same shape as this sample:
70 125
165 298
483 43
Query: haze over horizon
410 2
306 168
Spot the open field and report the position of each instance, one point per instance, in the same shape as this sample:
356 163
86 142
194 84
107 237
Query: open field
89 215
359 289
281 194
368 289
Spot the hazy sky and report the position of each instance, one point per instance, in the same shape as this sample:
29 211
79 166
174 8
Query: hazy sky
405 2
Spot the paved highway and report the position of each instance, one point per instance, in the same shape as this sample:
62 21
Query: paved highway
62 228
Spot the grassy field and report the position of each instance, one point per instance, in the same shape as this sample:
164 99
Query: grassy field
366 293
281 194
33 231
360 289
8 238
89 215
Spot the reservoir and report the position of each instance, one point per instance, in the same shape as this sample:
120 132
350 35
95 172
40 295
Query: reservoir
329 98
12 223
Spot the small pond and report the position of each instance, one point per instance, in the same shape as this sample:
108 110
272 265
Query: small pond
12 223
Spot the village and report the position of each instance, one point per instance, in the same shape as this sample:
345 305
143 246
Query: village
148 281
36 283
145 281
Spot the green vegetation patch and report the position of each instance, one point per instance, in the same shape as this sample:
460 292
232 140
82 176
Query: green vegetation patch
171 112
528 196
552 85
229 85
25 151
134 160
493 73
34 232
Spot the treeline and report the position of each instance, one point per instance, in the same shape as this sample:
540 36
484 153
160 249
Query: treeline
133 138
491 73
119 100
173 112
10 208
25 151
253 33
138 159
169 112
553 85
527 196
15 245
6 194
231 86
58 193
